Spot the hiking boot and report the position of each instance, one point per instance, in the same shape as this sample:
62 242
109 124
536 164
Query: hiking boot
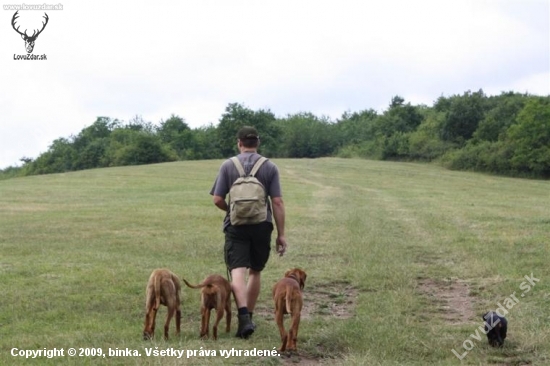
253 324
246 327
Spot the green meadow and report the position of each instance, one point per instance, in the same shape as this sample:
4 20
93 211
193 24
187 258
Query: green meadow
402 261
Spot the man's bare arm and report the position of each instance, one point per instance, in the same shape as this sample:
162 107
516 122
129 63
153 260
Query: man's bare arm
279 217
220 203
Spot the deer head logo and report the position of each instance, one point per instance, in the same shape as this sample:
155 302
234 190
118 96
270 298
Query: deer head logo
29 40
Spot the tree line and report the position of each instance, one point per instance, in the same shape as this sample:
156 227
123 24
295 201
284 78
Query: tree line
507 134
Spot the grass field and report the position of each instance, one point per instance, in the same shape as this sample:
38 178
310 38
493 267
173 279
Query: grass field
402 261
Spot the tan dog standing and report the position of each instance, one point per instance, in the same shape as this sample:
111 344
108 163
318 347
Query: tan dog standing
215 294
163 288
287 294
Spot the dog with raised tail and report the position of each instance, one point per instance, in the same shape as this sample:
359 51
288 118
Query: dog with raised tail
288 298
215 294
163 288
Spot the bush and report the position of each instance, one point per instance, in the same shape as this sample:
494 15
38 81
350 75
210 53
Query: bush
144 149
487 156
367 149
530 138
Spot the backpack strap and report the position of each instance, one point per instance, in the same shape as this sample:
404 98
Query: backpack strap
238 165
257 165
255 168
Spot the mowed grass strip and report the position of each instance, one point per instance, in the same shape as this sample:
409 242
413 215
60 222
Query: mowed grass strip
414 253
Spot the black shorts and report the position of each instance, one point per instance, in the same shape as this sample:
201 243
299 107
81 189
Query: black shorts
248 246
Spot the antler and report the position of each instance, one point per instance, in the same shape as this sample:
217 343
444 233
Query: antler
15 16
34 34
43 26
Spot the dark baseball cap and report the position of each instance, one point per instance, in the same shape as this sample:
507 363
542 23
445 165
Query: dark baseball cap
247 133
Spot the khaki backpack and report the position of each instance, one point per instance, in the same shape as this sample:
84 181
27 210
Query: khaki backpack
247 196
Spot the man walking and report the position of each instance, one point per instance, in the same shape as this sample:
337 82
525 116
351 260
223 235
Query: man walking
247 246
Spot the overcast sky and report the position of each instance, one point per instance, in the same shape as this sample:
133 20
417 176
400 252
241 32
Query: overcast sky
193 58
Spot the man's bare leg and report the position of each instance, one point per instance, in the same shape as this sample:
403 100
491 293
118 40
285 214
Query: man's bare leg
240 291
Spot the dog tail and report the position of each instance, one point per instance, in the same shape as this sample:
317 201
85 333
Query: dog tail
288 298
200 285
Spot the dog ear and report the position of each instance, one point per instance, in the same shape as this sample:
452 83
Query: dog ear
302 279
484 316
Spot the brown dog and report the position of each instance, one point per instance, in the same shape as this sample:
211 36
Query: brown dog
215 294
163 288
287 294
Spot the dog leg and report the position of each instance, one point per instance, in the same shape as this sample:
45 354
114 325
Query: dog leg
205 315
178 322
283 343
279 318
208 311
293 332
171 312
153 326
178 313
149 329
219 316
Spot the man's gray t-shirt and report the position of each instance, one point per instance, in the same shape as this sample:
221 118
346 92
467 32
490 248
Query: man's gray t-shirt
268 175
